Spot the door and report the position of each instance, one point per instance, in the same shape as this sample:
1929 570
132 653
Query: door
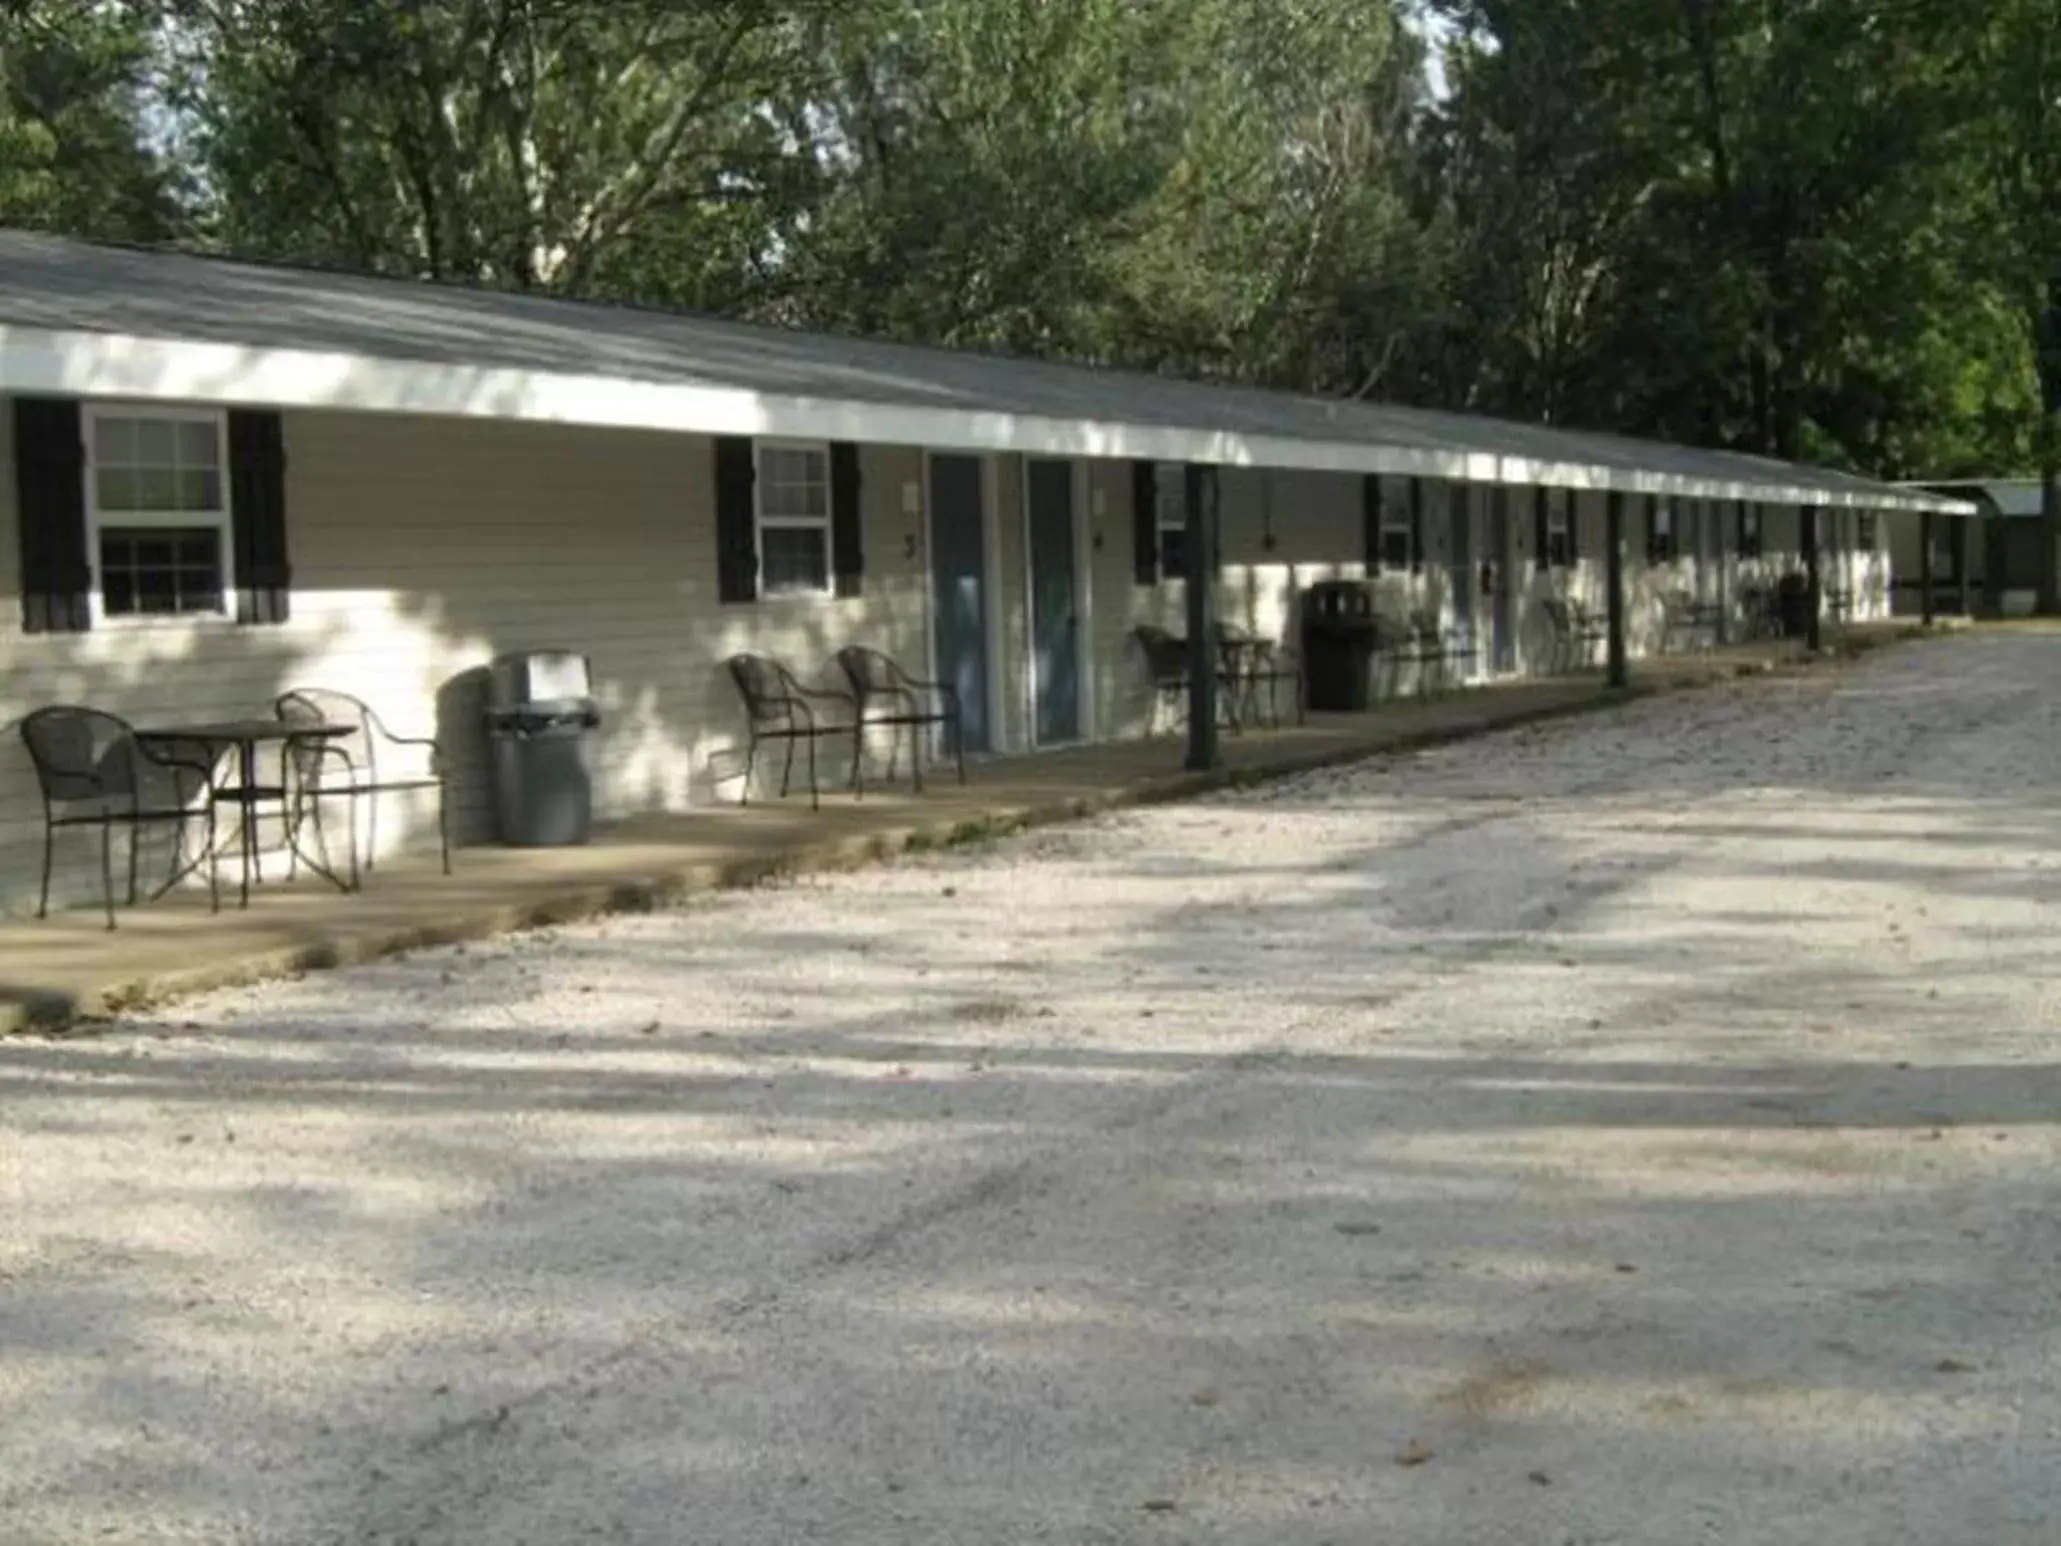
959 589
1055 627
1503 659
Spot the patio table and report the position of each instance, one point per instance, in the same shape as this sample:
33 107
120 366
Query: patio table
244 737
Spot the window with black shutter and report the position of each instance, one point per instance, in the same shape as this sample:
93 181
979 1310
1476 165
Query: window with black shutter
176 511
737 542
50 512
1660 530
1145 522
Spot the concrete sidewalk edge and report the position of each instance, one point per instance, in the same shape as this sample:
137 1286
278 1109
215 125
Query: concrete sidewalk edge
49 1013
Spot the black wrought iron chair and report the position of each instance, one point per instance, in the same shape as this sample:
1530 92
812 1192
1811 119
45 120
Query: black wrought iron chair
93 772
885 694
1166 668
1253 663
370 761
1576 633
1442 647
779 708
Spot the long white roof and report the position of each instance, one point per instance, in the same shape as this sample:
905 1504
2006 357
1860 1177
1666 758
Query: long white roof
77 318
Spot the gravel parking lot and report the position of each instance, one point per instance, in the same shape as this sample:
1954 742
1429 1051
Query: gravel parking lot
1636 1129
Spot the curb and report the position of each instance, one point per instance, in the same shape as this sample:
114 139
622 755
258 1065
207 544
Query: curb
52 1013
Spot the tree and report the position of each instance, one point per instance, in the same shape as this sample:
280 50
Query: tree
2017 67
75 152
585 146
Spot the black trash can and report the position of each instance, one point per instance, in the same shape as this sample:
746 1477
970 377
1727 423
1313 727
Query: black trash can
1338 638
1793 605
541 720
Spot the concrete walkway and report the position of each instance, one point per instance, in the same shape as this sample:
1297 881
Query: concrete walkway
71 967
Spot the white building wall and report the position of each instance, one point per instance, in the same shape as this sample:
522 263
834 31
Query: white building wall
422 547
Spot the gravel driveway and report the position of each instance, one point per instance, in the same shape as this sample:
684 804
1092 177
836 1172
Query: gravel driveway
1638 1129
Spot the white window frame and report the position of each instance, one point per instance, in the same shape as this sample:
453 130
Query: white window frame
1559 523
1752 532
1664 533
222 518
760 521
1396 521
1169 513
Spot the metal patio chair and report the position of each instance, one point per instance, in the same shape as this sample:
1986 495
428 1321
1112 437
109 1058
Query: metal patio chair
92 771
370 761
779 708
885 694
1252 663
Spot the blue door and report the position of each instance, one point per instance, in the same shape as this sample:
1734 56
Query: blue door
959 588
1055 626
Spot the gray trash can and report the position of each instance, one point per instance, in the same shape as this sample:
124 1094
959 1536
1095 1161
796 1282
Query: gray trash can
541 720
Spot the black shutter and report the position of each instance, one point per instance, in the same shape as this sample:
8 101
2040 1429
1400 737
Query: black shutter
847 547
1652 526
1542 525
1145 523
257 516
737 543
1574 527
1416 524
50 488
1370 520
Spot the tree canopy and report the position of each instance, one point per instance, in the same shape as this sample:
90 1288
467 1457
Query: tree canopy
1826 228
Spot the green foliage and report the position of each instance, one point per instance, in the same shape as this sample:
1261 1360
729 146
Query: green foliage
74 154
1818 227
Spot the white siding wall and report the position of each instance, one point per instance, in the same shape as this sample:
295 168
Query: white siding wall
423 547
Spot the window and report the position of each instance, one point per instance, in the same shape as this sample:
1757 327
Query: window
1170 500
1749 531
1560 529
158 498
1398 533
1864 531
793 486
1660 530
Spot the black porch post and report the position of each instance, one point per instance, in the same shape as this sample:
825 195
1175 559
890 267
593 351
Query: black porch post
1925 566
1613 580
1201 544
1964 559
1814 628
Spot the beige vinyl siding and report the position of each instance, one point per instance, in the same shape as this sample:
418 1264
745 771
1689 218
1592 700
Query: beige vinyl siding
423 547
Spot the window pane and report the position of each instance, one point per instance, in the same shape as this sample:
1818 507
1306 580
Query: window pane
160 573
157 488
199 446
156 591
157 442
114 440
1173 552
200 488
1395 548
115 488
794 558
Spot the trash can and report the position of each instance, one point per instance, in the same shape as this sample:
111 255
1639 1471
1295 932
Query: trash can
1793 605
1338 638
541 721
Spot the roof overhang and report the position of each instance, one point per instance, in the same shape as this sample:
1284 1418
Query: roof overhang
113 365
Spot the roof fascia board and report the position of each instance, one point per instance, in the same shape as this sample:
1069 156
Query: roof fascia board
110 365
